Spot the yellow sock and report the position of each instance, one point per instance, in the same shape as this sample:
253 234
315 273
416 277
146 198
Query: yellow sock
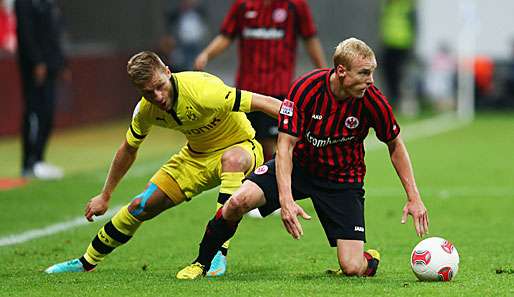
116 232
230 182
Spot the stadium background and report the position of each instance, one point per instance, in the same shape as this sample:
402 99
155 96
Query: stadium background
463 169
102 34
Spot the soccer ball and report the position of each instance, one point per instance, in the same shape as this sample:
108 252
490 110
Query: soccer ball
435 259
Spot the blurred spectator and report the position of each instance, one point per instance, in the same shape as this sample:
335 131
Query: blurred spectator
510 77
440 79
40 59
7 29
188 24
166 47
484 69
398 35
267 31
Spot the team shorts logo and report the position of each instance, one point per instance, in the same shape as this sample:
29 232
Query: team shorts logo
287 107
279 15
261 169
351 122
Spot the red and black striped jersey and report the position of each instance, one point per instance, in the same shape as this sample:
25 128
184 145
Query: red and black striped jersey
331 132
267 41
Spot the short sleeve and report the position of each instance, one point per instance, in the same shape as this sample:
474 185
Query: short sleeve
139 128
381 115
307 27
230 25
220 97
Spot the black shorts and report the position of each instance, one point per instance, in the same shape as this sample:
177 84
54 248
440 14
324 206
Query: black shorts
340 207
265 126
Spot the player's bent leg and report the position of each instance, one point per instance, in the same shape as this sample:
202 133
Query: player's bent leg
234 163
119 230
354 261
222 227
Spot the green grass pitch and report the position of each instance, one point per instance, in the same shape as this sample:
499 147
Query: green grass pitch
465 176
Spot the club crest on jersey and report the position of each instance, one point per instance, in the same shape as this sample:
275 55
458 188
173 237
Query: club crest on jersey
261 169
287 107
279 15
251 14
351 122
190 114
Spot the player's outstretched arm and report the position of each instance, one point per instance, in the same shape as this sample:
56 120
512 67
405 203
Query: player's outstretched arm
217 46
414 205
266 104
315 51
290 210
121 163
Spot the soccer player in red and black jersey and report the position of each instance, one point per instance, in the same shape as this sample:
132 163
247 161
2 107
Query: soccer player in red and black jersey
267 31
320 154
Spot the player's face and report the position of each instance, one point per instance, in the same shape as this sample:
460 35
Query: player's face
158 90
356 80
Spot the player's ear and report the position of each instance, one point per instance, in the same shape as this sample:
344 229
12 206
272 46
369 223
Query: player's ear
340 71
168 71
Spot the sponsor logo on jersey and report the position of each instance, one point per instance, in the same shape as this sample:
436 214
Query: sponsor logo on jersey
261 169
351 122
204 128
279 15
322 142
263 33
287 107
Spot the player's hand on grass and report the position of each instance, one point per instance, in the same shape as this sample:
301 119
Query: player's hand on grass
289 213
419 213
96 206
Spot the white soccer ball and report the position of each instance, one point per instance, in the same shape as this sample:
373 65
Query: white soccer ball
435 259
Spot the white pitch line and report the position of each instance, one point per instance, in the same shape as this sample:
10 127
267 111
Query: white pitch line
417 130
52 229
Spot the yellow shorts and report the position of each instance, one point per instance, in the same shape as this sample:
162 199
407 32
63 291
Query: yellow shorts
194 173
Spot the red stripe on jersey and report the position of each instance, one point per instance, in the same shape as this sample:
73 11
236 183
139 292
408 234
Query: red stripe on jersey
331 131
267 35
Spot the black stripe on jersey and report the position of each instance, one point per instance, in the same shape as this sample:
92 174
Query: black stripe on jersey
172 112
101 247
376 110
115 233
323 106
223 197
300 82
136 135
237 102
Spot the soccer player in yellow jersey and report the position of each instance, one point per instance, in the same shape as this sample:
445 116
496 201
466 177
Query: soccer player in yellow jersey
221 150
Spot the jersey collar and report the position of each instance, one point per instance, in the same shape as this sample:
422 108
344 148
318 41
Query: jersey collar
172 111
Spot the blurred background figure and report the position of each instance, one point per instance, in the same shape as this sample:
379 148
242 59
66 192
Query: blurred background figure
267 31
7 29
398 35
166 47
484 70
40 60
440 79
510 77
188 24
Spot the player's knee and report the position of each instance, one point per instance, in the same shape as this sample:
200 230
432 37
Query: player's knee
235 160
239 204
136 207
351 267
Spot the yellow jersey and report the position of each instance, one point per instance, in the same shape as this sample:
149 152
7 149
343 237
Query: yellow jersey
209 113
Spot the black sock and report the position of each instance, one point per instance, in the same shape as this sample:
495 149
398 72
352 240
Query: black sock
217 232
87 266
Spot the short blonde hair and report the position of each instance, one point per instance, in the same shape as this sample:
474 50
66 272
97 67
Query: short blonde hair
349 49
142 66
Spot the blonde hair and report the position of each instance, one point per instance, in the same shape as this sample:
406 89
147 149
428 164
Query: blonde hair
349 49
142 66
